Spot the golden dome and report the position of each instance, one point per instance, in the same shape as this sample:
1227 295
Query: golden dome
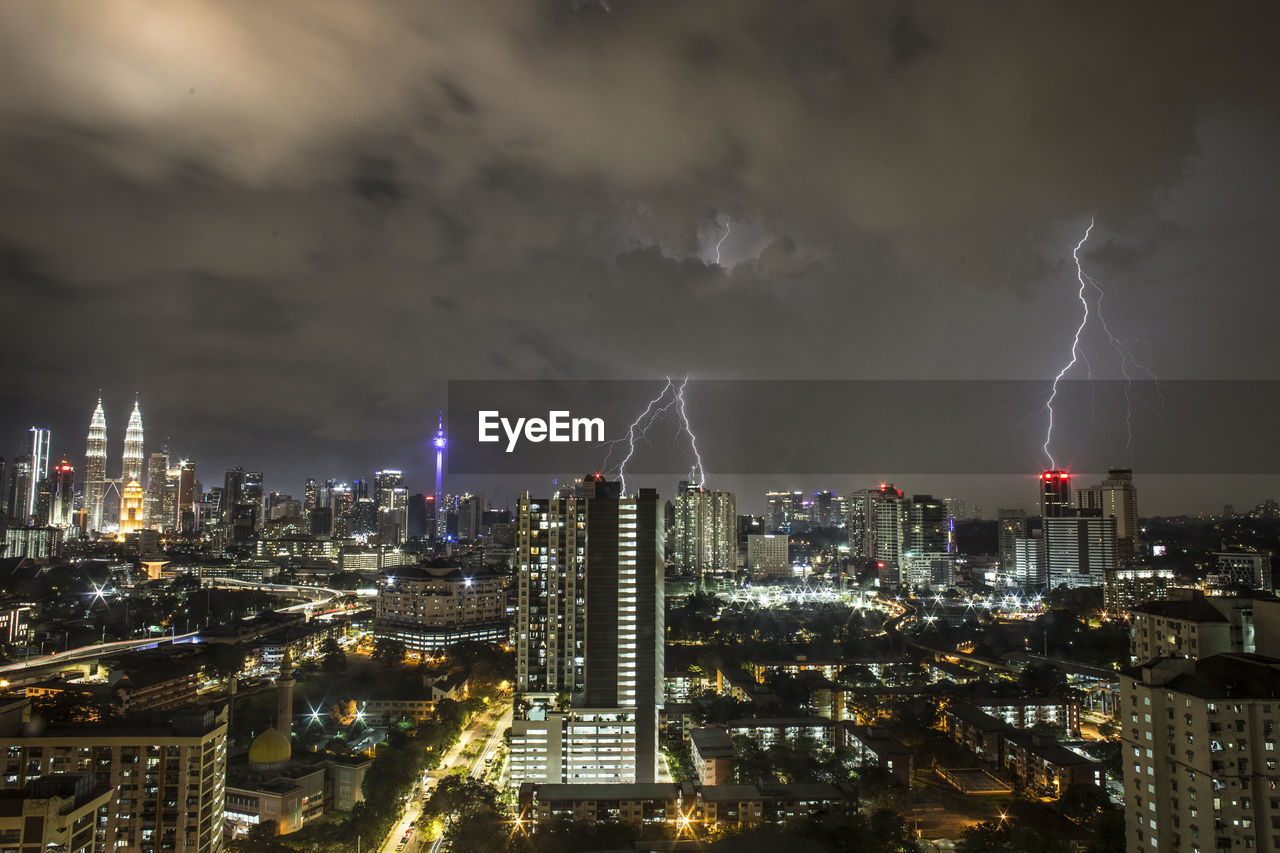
269 748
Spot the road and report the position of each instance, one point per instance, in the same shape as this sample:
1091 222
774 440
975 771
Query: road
494 722
322 596
96 650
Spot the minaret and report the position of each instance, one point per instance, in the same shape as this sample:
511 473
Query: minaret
133 448
284 696
95 467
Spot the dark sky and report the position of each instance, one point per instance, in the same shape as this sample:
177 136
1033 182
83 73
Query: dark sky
286 225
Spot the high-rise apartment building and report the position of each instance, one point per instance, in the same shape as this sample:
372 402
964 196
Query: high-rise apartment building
591 600
706 530
167 782
550 584
95 467
1201 765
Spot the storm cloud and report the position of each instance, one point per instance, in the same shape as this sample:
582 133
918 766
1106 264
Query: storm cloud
288 224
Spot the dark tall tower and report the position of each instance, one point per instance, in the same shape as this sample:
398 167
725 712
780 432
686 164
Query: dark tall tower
624 658
1055 495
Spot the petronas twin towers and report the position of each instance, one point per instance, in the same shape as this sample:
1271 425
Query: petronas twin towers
96 484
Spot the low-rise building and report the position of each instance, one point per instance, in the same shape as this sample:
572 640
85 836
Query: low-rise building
975 730
765 732
1025 712
1046 766
680 805
713 755
874 746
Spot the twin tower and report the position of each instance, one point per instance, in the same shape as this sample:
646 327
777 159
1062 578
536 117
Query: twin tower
128 486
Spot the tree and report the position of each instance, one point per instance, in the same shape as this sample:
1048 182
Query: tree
470 813
332 657
389 651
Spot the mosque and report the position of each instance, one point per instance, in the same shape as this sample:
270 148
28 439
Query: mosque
270 783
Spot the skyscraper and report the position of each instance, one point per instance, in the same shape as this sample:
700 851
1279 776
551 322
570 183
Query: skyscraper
1011 525
591 613
95 467
39 467
185 519
157 479
132 465
19 486
62 505
131 507
1055 494
384 483
706 530
1115 497
1079 551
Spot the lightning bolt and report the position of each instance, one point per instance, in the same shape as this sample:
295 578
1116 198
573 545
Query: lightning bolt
638 429
1126 361
728 229
693 439
1075 343
674 396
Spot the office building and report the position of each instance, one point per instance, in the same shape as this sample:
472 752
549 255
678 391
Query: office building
95 467
157 480
133 462
438 605
768 555
1249 569
1011 525
1115 497
1078 551
19 487
166 782
929 540
132 508
1029 561
39 469
187 490
1055 494
62 497
784 510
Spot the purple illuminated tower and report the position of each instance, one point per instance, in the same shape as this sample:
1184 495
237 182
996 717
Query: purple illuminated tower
440 441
